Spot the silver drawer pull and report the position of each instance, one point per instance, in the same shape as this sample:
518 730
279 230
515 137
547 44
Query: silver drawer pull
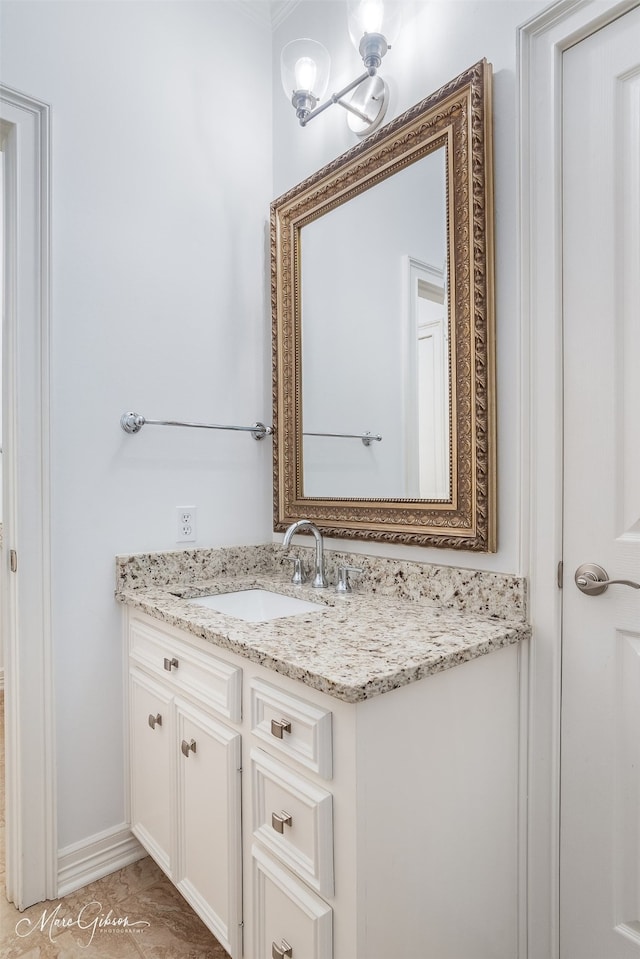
279 822
155 720
170 664
283 951
188 747
280 726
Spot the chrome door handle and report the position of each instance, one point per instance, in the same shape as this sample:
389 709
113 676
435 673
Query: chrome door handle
188 747
593 580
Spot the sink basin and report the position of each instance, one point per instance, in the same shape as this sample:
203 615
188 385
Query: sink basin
257 605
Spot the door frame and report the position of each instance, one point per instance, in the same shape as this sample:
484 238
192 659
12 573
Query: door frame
31 866
541 43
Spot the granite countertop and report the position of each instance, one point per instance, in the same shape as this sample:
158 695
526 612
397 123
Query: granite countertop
358 646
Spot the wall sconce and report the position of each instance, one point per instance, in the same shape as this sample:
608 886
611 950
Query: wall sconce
373 26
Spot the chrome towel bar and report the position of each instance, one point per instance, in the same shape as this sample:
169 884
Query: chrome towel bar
133 423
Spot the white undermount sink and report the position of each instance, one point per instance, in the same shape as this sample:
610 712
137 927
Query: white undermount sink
257 605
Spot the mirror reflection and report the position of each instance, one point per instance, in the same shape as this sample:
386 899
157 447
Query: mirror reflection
375 335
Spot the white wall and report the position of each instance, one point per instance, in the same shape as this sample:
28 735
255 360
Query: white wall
163 168
439 40
161 185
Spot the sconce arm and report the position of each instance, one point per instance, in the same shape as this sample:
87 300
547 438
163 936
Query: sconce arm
358 113
336 98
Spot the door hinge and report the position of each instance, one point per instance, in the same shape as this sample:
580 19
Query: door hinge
13 561
560 575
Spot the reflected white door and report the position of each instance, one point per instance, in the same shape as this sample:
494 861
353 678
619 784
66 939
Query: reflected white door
433 400
600 779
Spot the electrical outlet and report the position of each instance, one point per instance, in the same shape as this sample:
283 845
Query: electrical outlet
186 528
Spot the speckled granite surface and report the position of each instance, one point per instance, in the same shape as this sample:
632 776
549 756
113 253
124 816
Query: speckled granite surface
467 590
358 645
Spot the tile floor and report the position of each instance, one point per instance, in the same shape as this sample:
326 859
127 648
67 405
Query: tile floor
140 892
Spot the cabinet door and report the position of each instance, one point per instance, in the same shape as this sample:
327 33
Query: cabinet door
209 835
152 739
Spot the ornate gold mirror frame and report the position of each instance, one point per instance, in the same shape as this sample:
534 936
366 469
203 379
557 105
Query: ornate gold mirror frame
459 117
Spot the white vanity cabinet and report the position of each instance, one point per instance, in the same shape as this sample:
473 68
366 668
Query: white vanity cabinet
408 800
185 772
386 827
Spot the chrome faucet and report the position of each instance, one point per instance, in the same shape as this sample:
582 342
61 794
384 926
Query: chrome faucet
319 579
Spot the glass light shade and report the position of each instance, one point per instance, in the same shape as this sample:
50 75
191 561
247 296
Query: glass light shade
304 66
374 16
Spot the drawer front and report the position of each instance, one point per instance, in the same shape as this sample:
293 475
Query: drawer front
186 669
293 818
290 920
294 727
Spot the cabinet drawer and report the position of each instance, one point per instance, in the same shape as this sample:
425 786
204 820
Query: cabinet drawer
288 915
293 818
187 669
294 727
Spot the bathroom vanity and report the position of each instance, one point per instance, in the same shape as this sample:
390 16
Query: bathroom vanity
335 783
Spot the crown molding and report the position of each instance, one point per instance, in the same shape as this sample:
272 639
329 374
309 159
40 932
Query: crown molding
281 9
267 12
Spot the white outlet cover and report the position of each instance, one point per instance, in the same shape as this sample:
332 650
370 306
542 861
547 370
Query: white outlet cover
186 524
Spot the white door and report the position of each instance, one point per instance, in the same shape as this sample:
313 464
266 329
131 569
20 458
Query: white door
600 774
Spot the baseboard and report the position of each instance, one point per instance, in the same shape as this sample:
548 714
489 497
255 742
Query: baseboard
96 857
1 679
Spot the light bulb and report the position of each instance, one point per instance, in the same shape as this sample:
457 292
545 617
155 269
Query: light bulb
305 66
374 18
305 73
371 14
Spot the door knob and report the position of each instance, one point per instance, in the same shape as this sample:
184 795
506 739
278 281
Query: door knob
593 580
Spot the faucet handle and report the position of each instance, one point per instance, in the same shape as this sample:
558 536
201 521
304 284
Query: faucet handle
298 571
343 585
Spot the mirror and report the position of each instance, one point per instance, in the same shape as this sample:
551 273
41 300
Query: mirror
385 305
382 301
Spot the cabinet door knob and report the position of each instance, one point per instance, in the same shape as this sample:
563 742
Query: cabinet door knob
279 822
188 747
170 664
155 720
280 726
282 951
